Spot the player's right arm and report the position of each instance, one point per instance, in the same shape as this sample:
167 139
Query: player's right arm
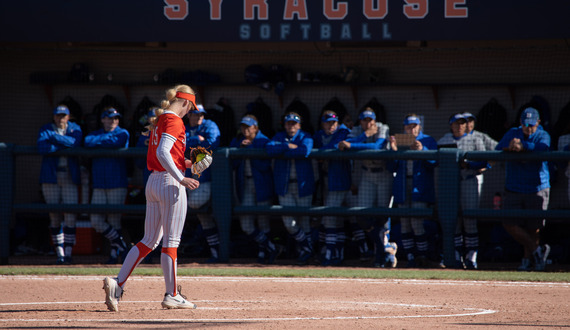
165 158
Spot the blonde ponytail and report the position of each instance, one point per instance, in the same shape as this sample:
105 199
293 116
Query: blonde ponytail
164 104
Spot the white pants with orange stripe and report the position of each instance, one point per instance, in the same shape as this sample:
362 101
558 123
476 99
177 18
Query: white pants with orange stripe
165 216
166 206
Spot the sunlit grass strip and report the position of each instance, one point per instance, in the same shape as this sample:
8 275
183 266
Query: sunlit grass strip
302 272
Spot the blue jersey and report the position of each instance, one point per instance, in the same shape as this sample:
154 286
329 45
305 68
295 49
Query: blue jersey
50 141
279 145
260 170
527 176
108 172
339 171
211 134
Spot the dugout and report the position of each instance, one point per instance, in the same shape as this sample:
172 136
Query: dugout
456 56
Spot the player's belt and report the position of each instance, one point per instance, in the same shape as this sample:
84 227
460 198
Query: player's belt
292 180
249 176
373 169
61 169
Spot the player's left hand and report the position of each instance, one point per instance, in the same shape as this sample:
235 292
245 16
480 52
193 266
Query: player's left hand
201 159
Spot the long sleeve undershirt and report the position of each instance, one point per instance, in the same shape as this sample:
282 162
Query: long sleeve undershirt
165 158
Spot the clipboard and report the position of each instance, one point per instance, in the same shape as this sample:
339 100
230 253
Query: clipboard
404 140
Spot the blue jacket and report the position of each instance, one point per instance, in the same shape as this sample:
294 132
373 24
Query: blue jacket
374 142
260 170
50 141
108 172
211 134
422 180
339 171
527 176
279 145
361 143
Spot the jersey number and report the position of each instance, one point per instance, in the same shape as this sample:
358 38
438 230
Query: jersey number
155 136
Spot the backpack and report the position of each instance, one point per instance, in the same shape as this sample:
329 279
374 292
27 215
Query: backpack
79 73
279 76
255 74
492 119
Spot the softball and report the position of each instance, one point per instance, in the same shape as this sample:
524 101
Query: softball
199 157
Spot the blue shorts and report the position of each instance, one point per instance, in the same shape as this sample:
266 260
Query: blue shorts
522 201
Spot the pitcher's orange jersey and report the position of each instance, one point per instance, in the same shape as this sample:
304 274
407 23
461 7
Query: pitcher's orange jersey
172 125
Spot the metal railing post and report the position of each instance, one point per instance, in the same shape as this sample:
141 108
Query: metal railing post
6 199
222 198
448 200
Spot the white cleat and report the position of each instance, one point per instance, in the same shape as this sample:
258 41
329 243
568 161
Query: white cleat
113 293
177 302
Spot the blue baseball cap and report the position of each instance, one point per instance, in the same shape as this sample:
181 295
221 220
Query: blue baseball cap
199 109
329 117
110 113
292 117
248 121
151 113
61 110
529 117
412 120
469 116
367 114
456 117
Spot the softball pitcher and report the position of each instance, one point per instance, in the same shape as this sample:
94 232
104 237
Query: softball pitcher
166 199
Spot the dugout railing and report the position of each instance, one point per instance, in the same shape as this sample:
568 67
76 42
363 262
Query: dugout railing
223 210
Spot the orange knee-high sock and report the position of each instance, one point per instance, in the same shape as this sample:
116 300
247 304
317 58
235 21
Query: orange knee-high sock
168 262
135 256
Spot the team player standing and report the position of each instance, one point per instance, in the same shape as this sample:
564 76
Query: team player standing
166 199
201 132
60 178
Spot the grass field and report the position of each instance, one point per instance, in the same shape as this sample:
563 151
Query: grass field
292 271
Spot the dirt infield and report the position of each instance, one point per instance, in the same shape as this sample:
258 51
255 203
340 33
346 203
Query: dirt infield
285 303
